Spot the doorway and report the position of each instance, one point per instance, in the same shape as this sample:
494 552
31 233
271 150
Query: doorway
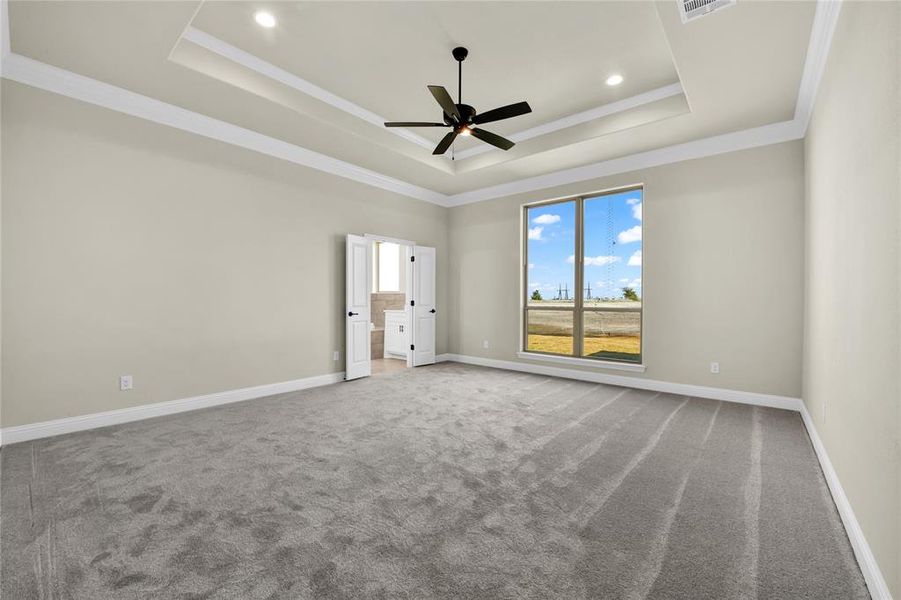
390 305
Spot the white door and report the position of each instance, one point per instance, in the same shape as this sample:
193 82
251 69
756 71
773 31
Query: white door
357 307
424 309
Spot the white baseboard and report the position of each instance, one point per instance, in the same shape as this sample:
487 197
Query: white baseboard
878 588
872 574
33 431
876 583
683 389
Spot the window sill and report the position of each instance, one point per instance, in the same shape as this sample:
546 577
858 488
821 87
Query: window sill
582 362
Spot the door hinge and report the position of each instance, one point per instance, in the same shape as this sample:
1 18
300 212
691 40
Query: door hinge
412 259
412 302
412 347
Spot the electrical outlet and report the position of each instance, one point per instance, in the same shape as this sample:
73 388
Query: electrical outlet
125 383
714 367
485 344
335 356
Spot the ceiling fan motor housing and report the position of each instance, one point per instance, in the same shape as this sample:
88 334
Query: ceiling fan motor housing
462 118
466 112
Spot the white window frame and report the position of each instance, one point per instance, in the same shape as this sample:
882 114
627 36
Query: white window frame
578 310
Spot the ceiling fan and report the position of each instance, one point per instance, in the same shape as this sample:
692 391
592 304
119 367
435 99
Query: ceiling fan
463 118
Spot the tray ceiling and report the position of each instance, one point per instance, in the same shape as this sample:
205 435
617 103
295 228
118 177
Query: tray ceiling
377 58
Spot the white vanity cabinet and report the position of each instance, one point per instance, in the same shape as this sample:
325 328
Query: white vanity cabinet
396 337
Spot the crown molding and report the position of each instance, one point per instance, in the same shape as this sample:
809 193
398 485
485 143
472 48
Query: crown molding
605 110
53 79
824 22
822 30
765 135
59 81
267 69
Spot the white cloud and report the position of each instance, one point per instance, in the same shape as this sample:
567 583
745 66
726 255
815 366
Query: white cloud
633 234
636 211
632 283
594 261
600 261
546 219
635 259
633 201
535 233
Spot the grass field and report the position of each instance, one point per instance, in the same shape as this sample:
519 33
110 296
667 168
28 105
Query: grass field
621 347
613 334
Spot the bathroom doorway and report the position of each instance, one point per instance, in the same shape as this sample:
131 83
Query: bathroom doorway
390 305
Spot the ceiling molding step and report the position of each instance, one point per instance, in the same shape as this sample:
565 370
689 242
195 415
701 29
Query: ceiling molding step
591 114
824 21
53 79
59 81
262 67
267 69
765 135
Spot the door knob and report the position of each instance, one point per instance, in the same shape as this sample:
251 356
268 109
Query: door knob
433 310
350 314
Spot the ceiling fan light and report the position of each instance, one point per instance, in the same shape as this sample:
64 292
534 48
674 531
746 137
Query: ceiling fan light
264 19
465 131
614 79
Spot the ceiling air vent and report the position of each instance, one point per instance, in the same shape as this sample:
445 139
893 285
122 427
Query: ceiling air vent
694 9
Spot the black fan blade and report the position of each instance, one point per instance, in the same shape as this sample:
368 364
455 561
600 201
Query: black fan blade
445 143
414 124
492 138
446 102
504 112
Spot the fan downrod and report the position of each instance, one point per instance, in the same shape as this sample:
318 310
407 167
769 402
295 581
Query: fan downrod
463 118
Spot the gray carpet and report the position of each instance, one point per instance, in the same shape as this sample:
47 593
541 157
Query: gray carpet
439 482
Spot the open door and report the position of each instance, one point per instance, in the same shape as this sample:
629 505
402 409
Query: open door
357 307
423 306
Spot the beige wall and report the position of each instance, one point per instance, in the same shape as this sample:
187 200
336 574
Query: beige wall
852 359
721 281
196 267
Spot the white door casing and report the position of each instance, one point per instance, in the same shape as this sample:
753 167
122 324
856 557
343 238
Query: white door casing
424 309
357 311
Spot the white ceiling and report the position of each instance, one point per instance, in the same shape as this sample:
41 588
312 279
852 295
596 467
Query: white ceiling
736 69
382 55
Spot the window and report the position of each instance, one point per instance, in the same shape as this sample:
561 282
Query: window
387 268
582 274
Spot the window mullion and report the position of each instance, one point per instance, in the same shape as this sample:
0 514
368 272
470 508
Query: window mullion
577 297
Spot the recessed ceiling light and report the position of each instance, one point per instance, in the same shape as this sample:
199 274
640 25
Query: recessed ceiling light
615 79
264 19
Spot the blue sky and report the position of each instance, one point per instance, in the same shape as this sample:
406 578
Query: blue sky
612 245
